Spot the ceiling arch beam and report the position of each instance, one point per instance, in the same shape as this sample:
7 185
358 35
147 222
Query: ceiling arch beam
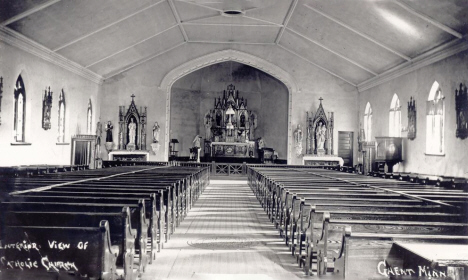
29 12
177 17
286 20
407 58
429 19
334 52
318 66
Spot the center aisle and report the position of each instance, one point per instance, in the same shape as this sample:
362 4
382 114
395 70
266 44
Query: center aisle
226 235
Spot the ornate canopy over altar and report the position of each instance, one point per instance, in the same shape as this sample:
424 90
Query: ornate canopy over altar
230 120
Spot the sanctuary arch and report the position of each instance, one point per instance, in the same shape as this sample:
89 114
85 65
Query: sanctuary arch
224 56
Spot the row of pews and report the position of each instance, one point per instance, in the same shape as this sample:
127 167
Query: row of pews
361 227
420 178
93 224
34 170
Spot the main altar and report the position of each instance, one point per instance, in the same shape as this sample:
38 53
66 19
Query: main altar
230 127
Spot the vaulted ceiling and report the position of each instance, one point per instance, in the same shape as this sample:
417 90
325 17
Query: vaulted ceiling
355 40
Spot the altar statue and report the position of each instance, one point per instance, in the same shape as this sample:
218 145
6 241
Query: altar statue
298 136
208 124
131 132
156 130
109 128
320 136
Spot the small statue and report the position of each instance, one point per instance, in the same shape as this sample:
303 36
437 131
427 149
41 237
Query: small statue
156 130
261 143
298 140
208 124
109 128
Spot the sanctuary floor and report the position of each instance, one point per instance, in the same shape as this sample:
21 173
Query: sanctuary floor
226 235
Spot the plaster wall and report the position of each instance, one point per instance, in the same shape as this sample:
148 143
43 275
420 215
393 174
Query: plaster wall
144 81
38 74
449 73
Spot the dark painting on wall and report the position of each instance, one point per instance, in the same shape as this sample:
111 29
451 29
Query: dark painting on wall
412 119
46 109
461 104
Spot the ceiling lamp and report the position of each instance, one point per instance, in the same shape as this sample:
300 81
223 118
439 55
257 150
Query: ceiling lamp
232 13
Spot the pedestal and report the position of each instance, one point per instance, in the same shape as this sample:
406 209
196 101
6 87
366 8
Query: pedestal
131 147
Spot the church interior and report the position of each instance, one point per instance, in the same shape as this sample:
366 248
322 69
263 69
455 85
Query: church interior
233 139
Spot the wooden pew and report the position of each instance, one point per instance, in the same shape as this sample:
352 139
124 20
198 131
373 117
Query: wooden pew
138 217
120 231
30 252
378 256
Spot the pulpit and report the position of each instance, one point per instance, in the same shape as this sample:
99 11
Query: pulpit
388 151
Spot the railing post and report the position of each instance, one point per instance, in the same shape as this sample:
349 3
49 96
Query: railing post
244 168
213 167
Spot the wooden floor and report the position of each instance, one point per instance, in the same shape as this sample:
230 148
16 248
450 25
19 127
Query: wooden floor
226 235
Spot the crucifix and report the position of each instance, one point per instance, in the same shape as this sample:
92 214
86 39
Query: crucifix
132 96
320 100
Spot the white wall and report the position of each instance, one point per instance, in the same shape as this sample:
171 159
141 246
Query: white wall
38 74
449 73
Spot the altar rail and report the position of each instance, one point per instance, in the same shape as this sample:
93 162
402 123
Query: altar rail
216 168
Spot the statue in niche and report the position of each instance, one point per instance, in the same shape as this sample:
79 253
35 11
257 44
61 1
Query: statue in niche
131 132
109 128
298 136
320 136
156 130
208 125
242 120
219 118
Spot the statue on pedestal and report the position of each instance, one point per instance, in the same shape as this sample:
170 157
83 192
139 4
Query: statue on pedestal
156 130
208 125
298 136
109 142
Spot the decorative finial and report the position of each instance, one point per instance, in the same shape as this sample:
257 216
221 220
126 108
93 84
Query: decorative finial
132 96
320 100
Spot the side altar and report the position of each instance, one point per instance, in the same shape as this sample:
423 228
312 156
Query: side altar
132 135
319 141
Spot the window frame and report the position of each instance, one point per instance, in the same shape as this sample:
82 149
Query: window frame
435 121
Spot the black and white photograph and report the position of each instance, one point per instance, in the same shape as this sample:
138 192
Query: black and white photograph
233 139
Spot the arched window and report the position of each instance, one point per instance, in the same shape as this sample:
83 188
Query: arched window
368 123
61 118
89 121
435 121
20 111
395 117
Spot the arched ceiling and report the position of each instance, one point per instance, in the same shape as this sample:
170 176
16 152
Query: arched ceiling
355 40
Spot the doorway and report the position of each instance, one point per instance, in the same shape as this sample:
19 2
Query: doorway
345 147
